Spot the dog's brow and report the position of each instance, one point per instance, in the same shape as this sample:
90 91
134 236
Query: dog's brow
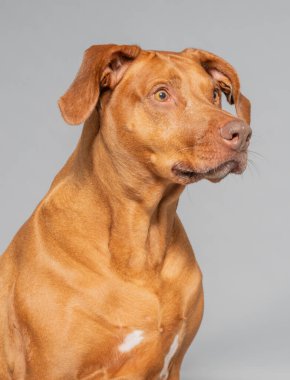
174 81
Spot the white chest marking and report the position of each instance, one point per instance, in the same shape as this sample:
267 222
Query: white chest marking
131 341
173 348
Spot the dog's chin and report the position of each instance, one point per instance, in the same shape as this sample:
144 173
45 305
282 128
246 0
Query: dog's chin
185 174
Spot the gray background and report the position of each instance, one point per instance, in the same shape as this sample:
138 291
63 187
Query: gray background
238 228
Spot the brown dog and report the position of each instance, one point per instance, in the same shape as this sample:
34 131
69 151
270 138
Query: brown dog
101 282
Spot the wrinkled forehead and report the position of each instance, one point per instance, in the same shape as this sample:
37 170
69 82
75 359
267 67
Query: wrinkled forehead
156 67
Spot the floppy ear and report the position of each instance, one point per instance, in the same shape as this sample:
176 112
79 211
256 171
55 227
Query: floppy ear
227 78
103 66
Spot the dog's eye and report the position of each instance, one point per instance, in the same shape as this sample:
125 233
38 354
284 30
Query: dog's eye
161 95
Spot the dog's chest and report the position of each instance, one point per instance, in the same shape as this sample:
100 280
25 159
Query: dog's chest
139 330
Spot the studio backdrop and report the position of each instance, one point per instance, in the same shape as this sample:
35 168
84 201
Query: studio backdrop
239 228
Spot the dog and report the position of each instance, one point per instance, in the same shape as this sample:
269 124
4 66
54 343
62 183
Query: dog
101 282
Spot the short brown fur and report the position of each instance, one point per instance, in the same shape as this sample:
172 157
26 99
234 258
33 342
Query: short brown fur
104 253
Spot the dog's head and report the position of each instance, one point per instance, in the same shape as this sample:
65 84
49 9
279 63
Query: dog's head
164 109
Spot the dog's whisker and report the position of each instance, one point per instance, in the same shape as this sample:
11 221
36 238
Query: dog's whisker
252 165
255 153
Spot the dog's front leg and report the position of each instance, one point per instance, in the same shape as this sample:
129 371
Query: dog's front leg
174 373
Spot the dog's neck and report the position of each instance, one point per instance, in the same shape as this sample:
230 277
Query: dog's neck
138 208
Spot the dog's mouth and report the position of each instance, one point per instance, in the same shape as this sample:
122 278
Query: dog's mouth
186 174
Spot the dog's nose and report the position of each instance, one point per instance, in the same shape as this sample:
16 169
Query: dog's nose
236 135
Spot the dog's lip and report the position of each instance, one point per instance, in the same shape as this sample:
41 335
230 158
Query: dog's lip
187 173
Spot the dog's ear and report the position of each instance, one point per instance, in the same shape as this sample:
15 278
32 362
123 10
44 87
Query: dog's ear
227 78
103 66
